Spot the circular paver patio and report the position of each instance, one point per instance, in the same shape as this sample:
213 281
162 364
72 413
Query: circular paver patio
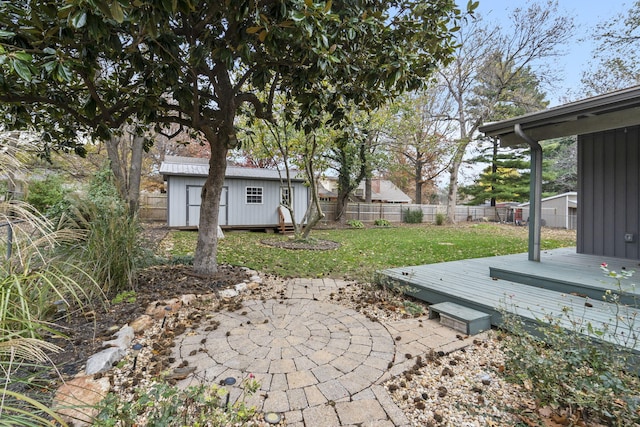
303 352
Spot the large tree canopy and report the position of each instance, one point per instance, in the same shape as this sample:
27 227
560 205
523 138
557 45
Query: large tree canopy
91 66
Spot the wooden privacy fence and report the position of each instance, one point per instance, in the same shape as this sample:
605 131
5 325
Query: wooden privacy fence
395 212
153 207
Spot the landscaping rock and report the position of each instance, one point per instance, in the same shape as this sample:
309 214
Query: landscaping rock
123 339
142 323
241 287
158 310
228 293
104 360
75 400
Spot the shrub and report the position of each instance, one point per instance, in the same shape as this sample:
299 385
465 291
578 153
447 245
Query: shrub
164 405
381 222
413 217
112 248
48 196
574 369
440 218
354 223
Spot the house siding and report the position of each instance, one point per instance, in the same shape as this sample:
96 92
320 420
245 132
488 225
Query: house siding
609 188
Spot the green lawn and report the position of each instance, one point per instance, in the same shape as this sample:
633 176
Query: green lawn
363 251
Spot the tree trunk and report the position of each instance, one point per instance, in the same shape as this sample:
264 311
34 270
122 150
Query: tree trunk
452 197
367 190
205 260
127 181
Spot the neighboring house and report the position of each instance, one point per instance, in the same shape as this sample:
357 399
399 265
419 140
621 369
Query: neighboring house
608 129
250 196
560 211
382 191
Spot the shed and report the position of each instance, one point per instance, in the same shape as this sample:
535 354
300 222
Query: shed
250 196
608 129
559 211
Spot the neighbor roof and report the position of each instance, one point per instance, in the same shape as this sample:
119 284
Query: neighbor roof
600 113
194 166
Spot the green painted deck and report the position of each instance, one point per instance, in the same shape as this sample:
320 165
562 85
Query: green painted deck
562 282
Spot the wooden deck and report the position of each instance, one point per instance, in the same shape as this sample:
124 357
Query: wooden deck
564 285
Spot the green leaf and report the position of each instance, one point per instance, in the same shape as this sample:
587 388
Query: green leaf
23 56
298 16
22 69
6 34
78 19
49 51
116 12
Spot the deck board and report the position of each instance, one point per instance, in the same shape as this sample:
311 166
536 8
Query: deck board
468 283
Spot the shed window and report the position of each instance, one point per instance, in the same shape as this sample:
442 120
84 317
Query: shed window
254 195
285 198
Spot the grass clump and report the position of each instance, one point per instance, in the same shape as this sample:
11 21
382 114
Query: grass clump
381 222
440 218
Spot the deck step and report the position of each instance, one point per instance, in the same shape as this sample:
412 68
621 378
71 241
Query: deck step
460 318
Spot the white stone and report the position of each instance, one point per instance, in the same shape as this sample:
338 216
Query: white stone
104 360
123 339
256 279
241 287
228 293
188 299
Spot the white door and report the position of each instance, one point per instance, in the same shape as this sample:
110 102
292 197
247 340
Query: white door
194 199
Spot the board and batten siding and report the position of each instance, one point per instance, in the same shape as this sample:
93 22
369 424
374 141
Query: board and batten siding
236 211
609 188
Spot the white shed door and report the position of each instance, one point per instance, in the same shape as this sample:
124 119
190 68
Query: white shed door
194 199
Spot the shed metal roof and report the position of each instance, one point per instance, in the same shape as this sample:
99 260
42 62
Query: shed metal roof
193 166
599 113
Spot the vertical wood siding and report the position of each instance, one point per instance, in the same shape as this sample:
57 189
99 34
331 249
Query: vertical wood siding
609 193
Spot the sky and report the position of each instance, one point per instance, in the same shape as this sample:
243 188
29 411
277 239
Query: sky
587 14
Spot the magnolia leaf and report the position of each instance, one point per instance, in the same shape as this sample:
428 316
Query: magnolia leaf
116 12
6 34
308 3
78 19
327 6
23 56
263 35
22 69
253 30
49 51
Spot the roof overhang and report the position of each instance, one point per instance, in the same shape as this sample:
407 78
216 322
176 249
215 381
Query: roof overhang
600 113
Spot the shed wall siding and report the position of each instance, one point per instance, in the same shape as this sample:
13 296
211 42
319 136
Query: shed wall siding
239 212
609 187
177 198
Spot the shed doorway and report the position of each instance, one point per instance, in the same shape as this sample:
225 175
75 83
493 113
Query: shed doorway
194 200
